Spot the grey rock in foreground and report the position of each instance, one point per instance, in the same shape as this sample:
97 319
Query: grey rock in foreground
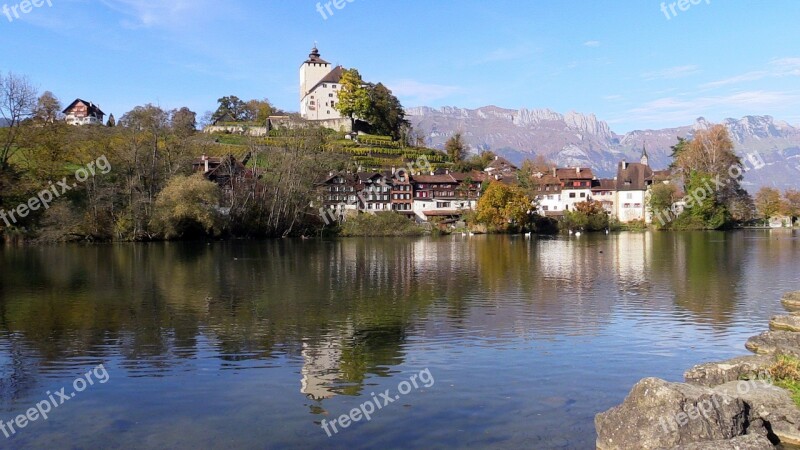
716 373
785 323
658 414
775 343
770 409
747 442
791 301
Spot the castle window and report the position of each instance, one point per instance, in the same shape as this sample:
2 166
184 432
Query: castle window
324 85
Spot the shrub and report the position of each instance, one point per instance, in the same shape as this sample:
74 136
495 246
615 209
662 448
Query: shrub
385 223
187 207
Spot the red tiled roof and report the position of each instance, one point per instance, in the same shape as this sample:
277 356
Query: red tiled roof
574 173
633 176
443 212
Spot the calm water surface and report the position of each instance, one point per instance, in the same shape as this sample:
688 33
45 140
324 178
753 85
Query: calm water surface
253 344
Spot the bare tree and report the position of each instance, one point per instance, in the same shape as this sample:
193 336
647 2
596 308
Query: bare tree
18 101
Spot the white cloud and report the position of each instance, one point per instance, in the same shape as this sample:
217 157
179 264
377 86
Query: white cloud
677 109
417 93
780 67
671 73
750 76
159 13
592 43
507 54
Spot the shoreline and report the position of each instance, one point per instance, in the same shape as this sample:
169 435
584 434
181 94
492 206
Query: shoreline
6 241
731 404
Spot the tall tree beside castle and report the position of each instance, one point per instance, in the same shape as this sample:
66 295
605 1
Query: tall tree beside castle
385 113
354 99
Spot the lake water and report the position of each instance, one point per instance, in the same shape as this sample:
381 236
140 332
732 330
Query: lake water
496 341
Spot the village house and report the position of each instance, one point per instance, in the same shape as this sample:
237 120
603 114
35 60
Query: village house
548 188
338 195
633 184
373 191
604 191
501 166
446 195
81 112
576 186
226 171
402 192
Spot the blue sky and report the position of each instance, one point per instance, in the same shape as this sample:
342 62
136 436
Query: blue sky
622 60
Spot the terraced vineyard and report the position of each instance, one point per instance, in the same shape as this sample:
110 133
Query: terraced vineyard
368 152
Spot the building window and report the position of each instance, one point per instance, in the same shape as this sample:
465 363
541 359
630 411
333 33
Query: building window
571 195
583 194
330 95
630 196
324 85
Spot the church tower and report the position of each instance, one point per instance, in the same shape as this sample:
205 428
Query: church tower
645 159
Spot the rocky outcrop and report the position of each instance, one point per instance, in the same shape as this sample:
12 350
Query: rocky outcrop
775 343
785 323
723 405
747 442
791 301
717 373
658 414
770 409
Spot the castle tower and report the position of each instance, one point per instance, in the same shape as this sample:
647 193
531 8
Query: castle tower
312 71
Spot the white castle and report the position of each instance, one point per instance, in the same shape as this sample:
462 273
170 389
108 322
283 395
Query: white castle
319 88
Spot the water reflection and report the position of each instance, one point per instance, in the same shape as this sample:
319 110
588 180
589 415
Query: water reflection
339 316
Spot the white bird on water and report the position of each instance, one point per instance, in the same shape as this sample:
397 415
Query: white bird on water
577 234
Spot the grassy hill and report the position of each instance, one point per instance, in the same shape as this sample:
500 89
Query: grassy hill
370 152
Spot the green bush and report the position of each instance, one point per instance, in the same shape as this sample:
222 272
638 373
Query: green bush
385 223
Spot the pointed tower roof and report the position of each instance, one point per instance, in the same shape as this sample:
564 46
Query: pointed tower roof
314 57
645 158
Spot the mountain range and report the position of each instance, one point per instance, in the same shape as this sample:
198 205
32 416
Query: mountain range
575 139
